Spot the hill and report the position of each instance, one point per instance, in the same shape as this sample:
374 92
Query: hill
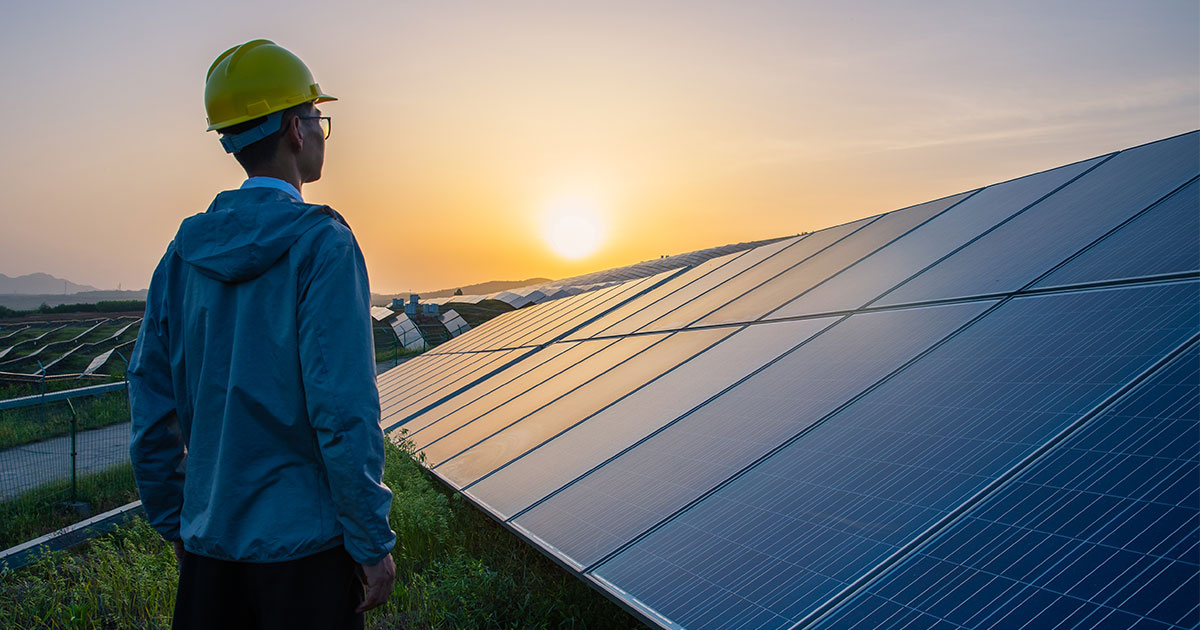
483 288
27 302
40 283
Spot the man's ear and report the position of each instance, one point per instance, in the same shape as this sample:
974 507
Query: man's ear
292 135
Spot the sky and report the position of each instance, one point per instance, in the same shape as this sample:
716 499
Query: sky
464 128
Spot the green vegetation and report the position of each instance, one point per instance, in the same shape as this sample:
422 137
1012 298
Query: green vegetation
456 568
103 306
387 348
38 512
25 424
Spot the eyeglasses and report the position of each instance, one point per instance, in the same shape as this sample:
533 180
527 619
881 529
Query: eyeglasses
326 123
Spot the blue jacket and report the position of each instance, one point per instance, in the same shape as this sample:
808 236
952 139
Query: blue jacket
256 430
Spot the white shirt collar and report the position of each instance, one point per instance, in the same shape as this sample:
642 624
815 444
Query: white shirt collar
272 182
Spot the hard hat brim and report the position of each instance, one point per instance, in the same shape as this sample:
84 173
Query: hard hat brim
322 98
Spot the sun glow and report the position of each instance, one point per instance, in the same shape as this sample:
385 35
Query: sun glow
573 227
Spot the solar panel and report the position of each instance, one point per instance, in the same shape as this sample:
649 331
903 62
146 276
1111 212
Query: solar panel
1101 531
770 267
698 287
1163 240
514 487
776 291
1018 251
884 269
649 298
531 319
594 515
481 365
773 544
458 435
475 401
513 435
629 291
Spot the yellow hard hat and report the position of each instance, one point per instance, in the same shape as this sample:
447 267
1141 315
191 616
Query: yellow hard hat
255 79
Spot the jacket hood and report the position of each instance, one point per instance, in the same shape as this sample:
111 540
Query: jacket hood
244 232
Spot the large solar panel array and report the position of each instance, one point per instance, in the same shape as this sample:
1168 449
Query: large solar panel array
979 411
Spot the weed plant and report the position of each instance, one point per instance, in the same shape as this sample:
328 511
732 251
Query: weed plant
40 511
455 568
25 424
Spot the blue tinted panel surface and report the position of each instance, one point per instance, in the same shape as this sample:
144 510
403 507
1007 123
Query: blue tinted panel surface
1028 245
549 467
1102 530
815 516
591 517
641 302
784 287
1166 239
948 231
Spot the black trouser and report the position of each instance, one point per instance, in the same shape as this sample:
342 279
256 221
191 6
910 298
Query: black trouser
319 591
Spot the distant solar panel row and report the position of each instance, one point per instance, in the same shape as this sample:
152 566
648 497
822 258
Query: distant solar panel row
974 412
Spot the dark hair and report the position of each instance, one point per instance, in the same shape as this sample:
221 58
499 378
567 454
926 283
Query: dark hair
261 152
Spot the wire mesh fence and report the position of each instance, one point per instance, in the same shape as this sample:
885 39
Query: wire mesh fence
63 456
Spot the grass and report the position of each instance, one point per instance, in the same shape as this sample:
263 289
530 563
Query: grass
38 512
25 424
456 568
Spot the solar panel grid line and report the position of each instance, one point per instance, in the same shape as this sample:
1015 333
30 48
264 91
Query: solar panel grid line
839 272
636 288
669 424
1061 224
1131 220
772 293
528 379
404 379
808 429
401 412
812 244
542 317
607 358
550 362
572 408
669 303
1170 318
988 231
436 393
483 329
864 582
551 318
1126 433
574 453
421 376
597 328
604 408
452 373
519 369
1045 274
534 317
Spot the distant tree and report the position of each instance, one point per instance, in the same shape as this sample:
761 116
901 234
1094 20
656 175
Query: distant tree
458 292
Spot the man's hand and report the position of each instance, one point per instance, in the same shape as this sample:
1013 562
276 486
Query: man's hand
378 578
180 552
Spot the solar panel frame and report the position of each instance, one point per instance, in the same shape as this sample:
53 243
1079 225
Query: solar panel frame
869 278
596 513
1163 309
820 266
1163 240
1045 540
1053 229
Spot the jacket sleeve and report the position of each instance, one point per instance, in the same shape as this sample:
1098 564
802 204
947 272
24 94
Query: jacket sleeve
156 445
337 360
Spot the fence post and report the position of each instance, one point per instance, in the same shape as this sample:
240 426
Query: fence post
74 452
42 369
128 408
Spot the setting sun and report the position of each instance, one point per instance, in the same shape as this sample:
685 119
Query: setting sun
573 227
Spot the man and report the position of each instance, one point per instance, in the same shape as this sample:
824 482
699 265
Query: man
256 440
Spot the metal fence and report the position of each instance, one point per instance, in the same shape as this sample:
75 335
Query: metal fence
64 452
